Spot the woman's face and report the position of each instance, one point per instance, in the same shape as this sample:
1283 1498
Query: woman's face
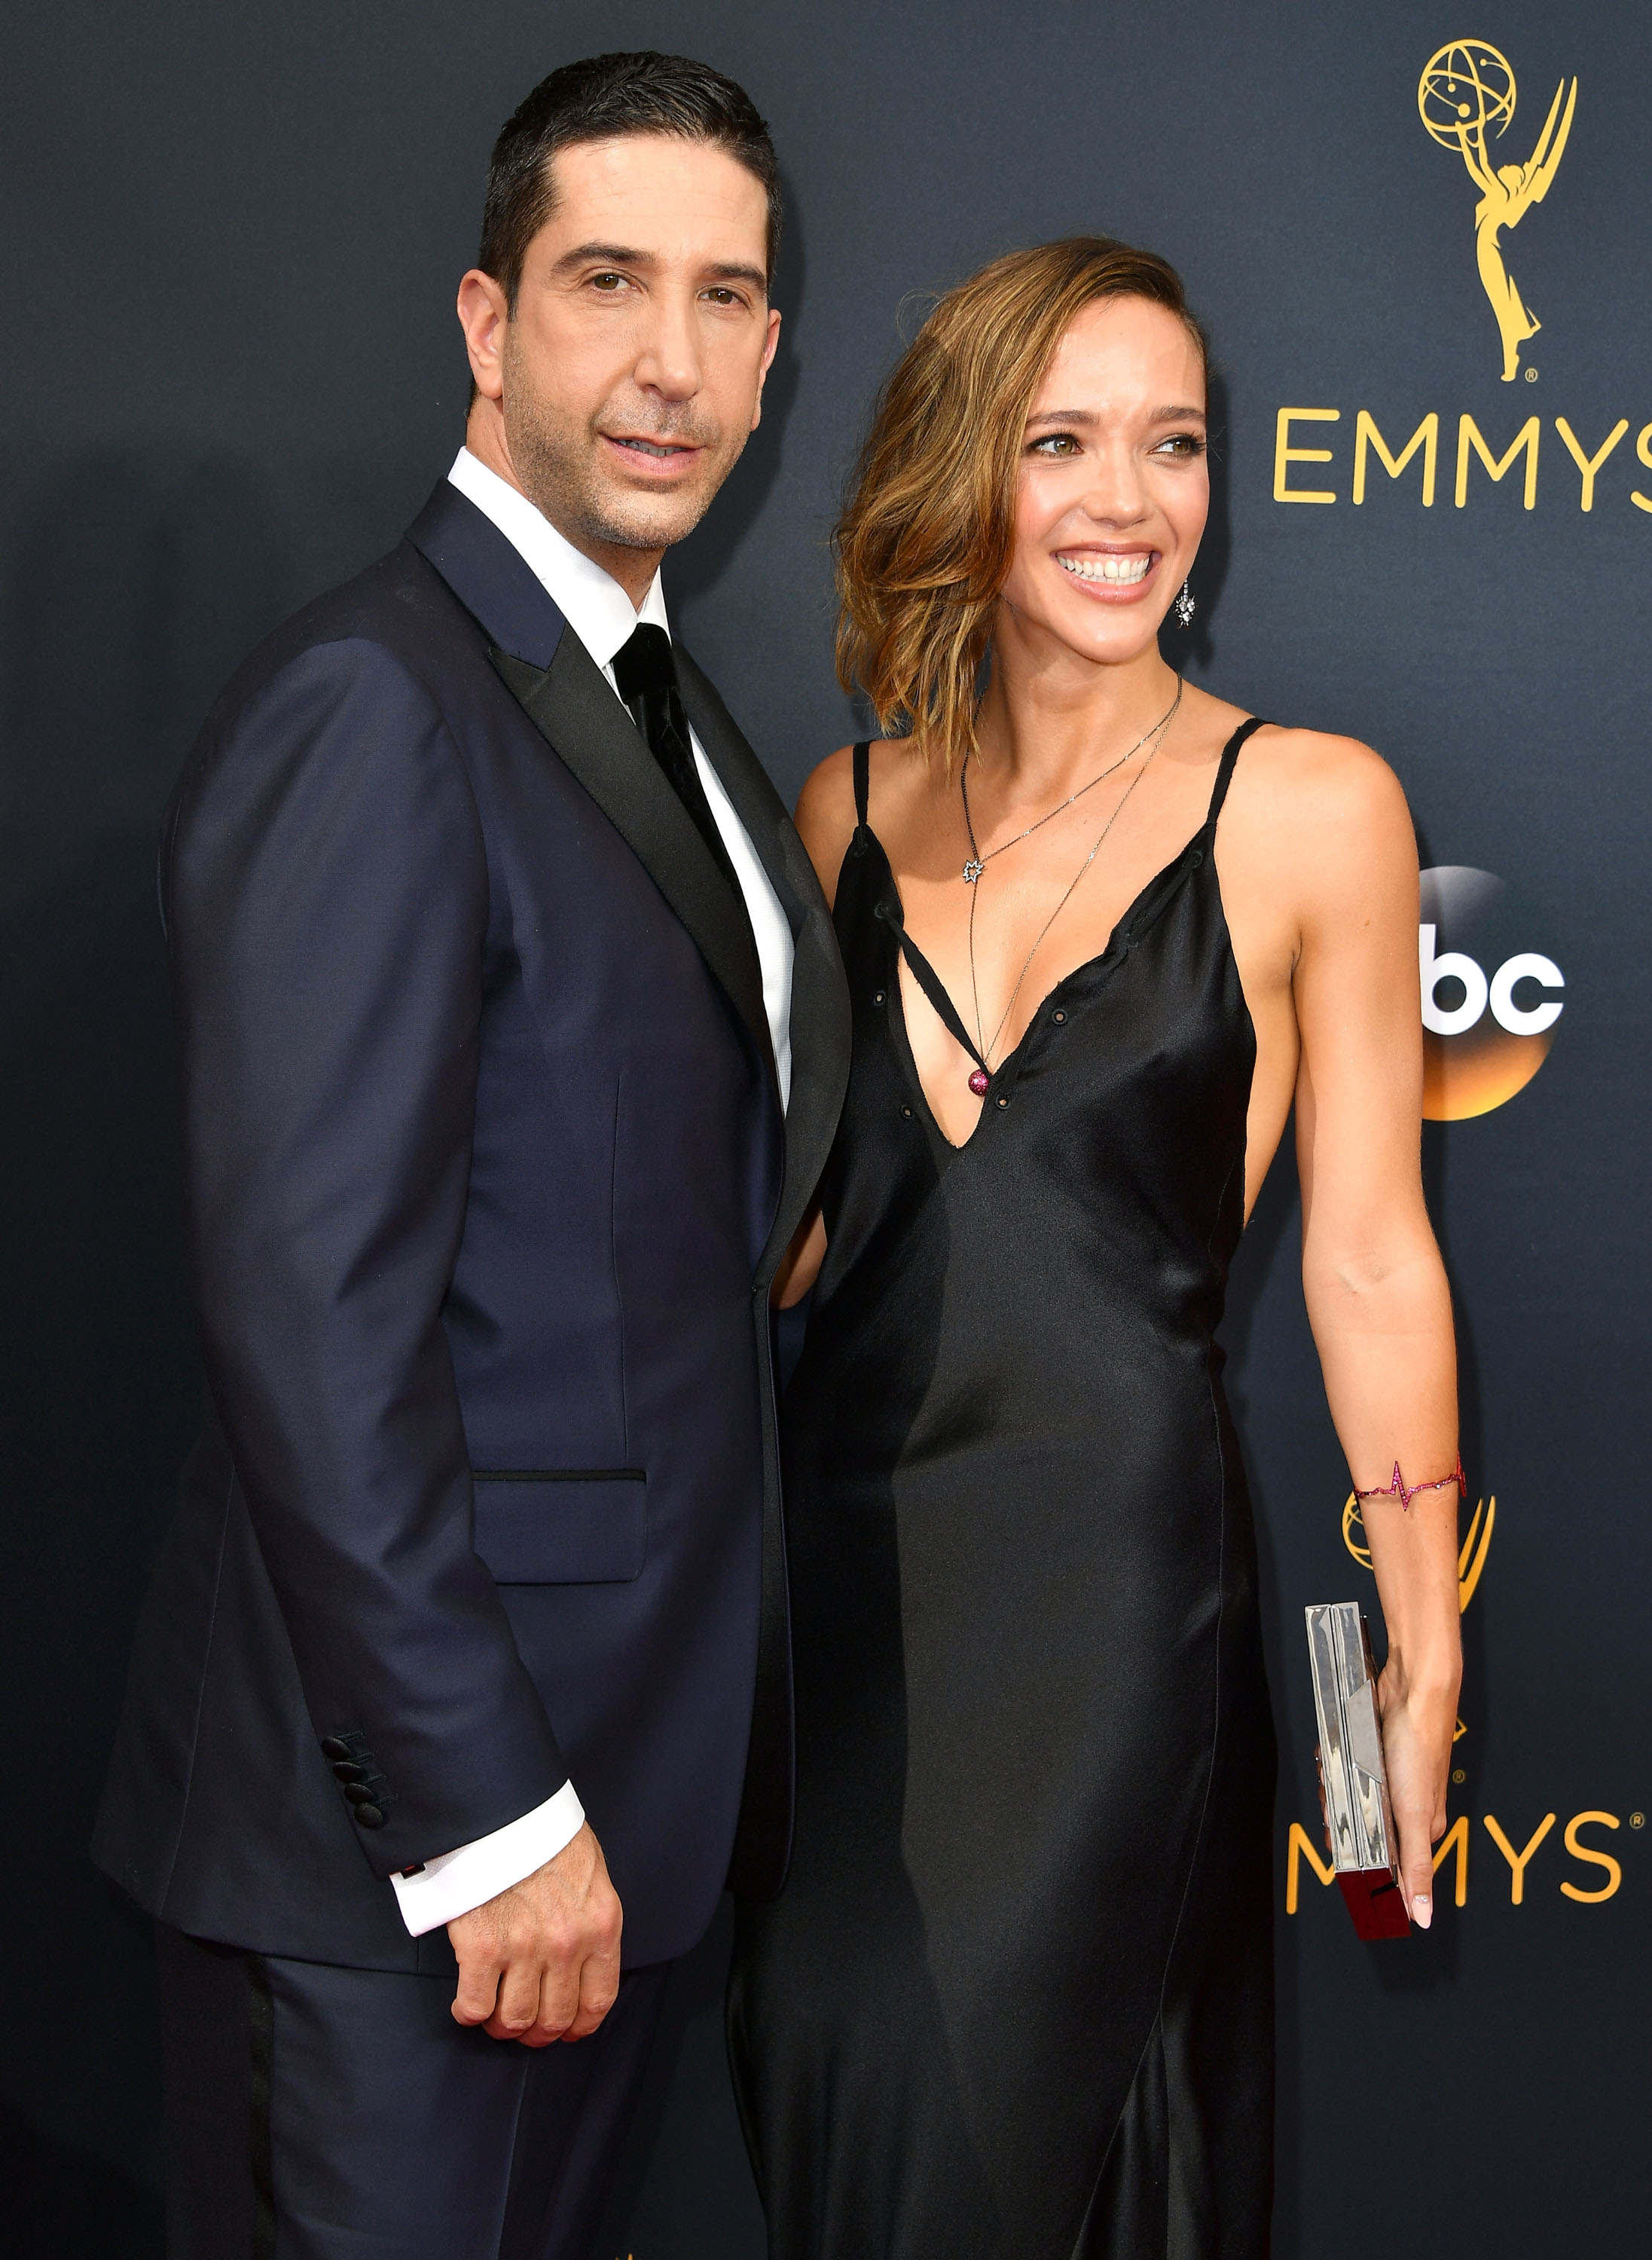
1113 488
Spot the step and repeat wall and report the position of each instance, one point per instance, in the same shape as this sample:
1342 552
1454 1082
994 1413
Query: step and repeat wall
1419 236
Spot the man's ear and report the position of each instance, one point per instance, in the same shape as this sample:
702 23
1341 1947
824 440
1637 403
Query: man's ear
483 316
768 362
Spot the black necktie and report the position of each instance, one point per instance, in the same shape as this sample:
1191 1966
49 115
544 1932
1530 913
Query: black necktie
645 677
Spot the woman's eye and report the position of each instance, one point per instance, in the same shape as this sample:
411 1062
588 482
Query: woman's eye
1181 445
1056 443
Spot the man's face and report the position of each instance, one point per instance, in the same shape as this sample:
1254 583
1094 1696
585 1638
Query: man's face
629 378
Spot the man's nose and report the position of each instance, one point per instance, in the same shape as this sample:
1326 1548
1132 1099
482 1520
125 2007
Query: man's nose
669 360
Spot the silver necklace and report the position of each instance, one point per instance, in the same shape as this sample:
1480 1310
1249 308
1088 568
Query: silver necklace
978 862
980 1079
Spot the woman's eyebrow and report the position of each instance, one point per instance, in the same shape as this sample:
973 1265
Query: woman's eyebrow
1088 416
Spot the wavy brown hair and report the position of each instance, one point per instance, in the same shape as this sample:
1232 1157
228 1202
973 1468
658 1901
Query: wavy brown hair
926 542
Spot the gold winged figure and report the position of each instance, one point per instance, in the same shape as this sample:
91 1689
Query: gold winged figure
1466 92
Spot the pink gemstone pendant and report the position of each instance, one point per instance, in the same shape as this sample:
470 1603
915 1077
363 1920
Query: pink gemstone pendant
979 1081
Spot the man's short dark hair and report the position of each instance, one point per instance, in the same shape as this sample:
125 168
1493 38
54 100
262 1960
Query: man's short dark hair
594 100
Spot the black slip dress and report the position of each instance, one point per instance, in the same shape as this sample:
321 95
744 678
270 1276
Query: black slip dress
1016 1999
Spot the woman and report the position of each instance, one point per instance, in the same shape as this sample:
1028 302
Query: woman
1102 930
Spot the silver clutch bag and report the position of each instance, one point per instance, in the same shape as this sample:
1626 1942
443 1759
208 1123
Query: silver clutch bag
1353 1779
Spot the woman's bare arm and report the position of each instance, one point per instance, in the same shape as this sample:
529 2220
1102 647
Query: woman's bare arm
1375 1288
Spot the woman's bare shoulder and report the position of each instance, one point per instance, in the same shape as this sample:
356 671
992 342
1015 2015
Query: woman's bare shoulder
1318 783
826 814
1320 823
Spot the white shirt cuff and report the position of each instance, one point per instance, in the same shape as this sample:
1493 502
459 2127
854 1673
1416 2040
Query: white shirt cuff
453 1883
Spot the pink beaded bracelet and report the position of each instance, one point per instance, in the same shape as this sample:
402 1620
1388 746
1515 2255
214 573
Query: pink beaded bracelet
1397 1488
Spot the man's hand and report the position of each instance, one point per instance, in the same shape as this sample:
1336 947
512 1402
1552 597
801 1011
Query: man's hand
541 1962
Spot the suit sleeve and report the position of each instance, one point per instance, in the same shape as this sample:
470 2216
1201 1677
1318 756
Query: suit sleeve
326 888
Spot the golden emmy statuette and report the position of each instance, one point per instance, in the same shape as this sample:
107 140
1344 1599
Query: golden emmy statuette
1466 92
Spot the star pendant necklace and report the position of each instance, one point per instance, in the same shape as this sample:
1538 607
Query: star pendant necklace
981 1077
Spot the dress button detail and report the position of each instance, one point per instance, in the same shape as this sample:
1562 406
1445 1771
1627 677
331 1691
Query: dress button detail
906 1114
1058 1016
1003 1099
877 995
369 1816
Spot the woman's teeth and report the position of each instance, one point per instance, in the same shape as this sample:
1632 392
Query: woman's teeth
1121 570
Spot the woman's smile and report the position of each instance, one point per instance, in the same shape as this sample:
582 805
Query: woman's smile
1105 571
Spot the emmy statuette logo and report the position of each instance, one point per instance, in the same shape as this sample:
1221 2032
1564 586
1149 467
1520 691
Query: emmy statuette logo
1466 93
1475 461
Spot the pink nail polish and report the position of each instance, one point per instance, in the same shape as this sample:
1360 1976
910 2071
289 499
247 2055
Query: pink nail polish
1422 1912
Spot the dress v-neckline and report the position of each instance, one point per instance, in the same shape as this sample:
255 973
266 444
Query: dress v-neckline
952 1020
1187 858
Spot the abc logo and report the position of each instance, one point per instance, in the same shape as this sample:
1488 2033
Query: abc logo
1490 993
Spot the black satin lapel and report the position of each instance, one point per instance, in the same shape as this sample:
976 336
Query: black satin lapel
573 707
821 1024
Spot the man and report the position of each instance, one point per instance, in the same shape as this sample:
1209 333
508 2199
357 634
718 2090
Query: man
513 1038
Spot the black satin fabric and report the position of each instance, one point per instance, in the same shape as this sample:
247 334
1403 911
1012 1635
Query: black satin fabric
1016 2001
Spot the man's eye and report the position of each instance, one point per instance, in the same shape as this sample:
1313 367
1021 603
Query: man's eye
610 282
720 296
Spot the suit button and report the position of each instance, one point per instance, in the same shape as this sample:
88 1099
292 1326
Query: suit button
349 1773
358 1792
334 1747
369 1816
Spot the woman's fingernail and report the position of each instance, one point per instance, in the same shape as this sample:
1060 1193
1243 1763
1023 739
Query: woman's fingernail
1422 1912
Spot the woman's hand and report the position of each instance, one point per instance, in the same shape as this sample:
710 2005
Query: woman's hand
1418 1728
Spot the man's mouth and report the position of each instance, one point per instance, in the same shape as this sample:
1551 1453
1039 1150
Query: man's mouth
662 451
1122 572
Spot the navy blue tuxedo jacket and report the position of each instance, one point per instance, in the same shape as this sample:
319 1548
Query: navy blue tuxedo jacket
488 1177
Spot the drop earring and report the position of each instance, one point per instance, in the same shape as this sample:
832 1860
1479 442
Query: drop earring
1184 607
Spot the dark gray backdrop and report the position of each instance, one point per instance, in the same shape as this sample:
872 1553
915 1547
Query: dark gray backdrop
230 247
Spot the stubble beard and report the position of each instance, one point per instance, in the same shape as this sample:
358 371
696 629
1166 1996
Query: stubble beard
557 458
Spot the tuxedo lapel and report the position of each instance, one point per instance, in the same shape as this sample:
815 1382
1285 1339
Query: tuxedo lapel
573 707
820 999
489 574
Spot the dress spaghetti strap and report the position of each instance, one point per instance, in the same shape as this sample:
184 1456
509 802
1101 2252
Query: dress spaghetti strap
1224 767
930 982
863 782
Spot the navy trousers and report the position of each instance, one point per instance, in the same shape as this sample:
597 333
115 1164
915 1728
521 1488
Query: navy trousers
322 2114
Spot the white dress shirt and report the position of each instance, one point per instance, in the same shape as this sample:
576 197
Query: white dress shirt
603 616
